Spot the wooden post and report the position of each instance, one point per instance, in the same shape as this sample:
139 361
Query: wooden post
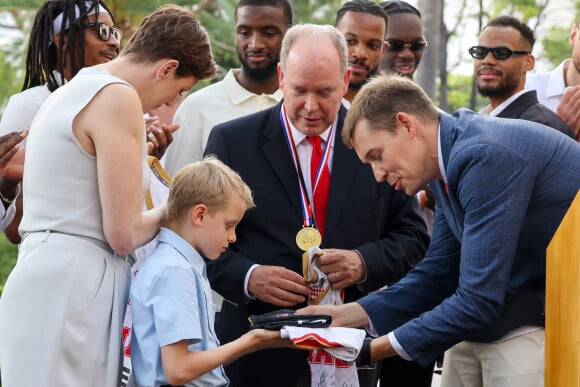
563 302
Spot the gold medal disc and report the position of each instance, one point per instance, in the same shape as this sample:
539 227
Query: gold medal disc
307 238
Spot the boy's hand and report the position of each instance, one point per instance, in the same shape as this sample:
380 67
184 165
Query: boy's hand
269 339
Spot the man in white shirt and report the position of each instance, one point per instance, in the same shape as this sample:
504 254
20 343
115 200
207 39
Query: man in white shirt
559 89
260 27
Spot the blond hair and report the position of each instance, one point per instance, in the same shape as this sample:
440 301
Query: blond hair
379 101
209 182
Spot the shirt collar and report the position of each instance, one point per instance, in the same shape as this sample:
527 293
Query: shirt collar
183 247
298 136
238 94
440 154
500 108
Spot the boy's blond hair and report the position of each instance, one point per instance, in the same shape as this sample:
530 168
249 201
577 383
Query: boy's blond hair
209 182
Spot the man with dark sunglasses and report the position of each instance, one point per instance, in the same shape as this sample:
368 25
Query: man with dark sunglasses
404 39
363 24
502 59
503 56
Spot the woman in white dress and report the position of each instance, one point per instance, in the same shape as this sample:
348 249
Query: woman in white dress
85 174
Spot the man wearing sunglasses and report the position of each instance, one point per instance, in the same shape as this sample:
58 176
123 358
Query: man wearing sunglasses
559 89
404 39
502 59
363 24
503 56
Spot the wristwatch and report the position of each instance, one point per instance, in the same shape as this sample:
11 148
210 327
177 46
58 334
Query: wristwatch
364 357
8 201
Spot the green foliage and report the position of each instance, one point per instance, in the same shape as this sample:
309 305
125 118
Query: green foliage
459 92
318 12
10 79
12 56
220 24
20 4
523 9
555 44
8 254
218 17
555 41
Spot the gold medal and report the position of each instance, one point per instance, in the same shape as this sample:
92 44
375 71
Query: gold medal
308 237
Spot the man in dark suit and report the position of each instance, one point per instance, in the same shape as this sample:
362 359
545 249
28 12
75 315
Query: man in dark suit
501 187
371 235
503 56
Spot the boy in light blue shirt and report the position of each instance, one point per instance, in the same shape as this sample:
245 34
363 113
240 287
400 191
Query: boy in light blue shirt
173 340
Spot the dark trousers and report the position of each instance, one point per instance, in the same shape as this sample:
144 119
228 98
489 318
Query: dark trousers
368 377
398 372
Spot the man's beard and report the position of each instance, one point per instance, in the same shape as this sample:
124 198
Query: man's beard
358 85
259 74
503 90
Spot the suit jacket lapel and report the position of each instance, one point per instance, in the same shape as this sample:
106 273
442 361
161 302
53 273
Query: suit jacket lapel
519 105
446 128
448 132
345 166
277 153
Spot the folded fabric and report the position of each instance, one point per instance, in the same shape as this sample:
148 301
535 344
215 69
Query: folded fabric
321 291
288 317
341 343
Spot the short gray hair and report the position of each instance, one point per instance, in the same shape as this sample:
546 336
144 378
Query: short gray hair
317 32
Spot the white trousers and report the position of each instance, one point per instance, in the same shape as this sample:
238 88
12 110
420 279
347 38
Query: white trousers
515 362
61 313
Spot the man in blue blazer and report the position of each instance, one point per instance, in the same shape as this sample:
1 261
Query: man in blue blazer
501 187
372 235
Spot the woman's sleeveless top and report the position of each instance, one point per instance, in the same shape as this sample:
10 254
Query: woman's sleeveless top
60 183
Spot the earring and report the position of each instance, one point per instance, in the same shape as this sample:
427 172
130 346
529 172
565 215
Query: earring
158 78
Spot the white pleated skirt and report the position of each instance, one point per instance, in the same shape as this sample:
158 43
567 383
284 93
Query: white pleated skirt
61 314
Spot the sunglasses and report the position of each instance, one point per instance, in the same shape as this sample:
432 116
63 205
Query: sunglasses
397 45
105 31
499 53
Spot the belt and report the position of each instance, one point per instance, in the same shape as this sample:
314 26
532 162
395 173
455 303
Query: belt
102 244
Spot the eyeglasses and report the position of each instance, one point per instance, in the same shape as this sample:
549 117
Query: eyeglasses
499 53
397 45
105 31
